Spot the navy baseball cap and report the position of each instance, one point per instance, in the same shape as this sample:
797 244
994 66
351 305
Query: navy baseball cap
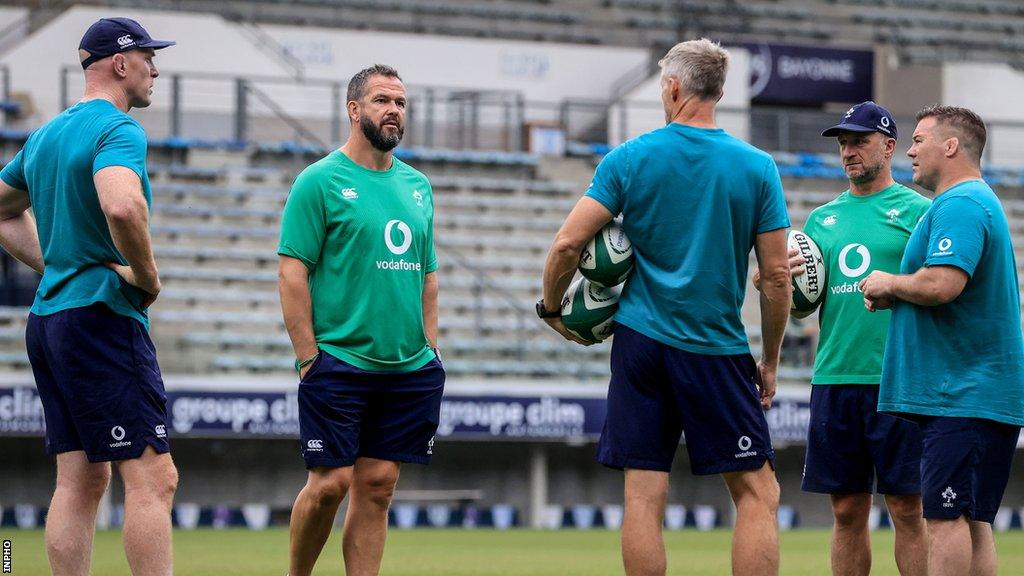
108 36
865 117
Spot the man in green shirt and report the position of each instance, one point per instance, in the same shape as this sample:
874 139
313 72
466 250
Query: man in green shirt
852 450
359 294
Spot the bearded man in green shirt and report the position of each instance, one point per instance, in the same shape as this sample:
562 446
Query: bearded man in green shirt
852 449
359 294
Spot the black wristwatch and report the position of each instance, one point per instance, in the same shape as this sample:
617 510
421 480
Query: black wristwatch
543 312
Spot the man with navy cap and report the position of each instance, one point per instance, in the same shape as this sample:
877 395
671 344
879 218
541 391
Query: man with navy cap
852 449
84 176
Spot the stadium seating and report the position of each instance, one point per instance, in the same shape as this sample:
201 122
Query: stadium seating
215 233
921 31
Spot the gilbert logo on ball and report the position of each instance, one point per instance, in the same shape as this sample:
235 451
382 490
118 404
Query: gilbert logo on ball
809 286
608 257
589 308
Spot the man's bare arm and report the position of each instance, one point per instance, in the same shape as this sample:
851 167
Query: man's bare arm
18 233
776 299
297 307
120 195
929 286
582 224
430 308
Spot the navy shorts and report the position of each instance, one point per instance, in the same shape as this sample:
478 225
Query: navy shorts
965 466
99 382
658 392
849 444
347 413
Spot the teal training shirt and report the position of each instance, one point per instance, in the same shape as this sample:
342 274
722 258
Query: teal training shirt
964 358
56 167
692 201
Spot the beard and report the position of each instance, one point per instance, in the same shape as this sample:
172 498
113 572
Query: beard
868 174
378 139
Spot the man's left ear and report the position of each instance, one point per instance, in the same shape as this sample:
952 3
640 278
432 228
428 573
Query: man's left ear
952 146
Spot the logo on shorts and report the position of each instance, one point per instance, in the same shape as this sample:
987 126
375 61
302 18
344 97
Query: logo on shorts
744 445
949 495
161 431
117 433
315 446
430 446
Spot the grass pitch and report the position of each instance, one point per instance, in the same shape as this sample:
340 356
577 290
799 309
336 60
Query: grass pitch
474 553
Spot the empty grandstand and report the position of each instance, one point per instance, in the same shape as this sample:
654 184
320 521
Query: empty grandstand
512 104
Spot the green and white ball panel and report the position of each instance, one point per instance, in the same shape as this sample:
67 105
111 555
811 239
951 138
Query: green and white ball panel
809 286
608 257
588 309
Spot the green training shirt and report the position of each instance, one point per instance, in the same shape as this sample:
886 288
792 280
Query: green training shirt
857 235
367 238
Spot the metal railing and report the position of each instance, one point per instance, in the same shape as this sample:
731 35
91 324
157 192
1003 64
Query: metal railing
263 110
485 285
269 45
251 109
5 83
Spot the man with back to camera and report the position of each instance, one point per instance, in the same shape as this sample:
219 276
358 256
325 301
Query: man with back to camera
359 295
954 359
680 359
84 175
850 445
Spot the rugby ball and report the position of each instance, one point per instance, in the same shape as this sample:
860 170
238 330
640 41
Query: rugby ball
608 257
809 286
588 309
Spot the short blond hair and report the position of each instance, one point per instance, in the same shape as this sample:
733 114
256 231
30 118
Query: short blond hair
700 66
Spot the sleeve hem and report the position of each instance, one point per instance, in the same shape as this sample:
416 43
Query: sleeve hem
8 182
291 253
603 202
135 169
772 227
959 263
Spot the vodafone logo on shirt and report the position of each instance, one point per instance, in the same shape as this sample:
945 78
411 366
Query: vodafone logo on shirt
398 239
861 268
945 248
403 228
